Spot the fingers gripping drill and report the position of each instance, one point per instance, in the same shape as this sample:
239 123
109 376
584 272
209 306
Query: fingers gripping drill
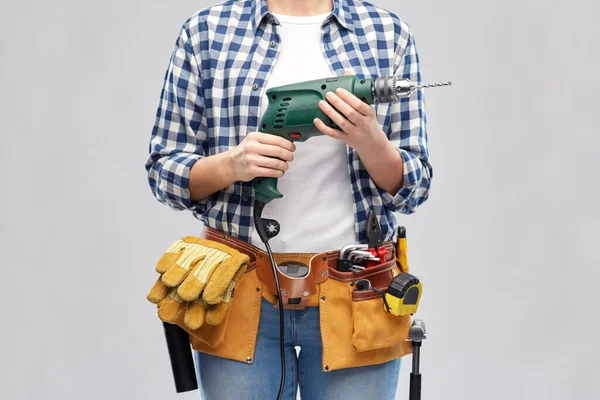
290 114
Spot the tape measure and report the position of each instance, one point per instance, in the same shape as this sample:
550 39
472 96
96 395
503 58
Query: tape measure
403 295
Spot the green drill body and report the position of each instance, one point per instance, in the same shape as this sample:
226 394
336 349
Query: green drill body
291 111
292 108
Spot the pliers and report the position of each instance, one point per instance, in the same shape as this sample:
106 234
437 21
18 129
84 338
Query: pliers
373 234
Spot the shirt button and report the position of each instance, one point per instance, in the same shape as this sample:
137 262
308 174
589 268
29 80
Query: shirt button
255 86
245 198
272 44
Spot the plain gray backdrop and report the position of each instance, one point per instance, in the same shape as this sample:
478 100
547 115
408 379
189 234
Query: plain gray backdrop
507 244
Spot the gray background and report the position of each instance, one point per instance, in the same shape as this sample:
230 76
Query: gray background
506 245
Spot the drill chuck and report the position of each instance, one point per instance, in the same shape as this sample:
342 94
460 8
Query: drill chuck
384 90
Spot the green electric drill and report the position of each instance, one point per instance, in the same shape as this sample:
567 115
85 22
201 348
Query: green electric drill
292 109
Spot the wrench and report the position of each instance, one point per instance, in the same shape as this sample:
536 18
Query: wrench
354 246
357 253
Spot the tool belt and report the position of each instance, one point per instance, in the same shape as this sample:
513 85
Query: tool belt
356 330
300 292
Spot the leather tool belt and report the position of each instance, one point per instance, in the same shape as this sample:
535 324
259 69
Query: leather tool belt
296 292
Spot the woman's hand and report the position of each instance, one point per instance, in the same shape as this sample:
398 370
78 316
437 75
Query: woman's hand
261 155
361 126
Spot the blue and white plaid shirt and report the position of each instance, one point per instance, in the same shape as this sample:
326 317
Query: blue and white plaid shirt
210 102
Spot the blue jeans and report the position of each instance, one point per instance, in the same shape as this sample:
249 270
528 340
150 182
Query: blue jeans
224 379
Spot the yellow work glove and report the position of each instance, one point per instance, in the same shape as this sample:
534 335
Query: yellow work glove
213 311
197 275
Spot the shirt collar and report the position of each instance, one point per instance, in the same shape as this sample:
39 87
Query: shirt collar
341 12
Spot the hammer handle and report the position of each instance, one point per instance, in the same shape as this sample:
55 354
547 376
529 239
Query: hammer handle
180 353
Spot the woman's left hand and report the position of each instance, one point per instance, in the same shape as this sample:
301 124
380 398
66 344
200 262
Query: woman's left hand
361 126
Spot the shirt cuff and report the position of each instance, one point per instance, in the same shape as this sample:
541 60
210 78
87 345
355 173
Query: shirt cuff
412 176
175 182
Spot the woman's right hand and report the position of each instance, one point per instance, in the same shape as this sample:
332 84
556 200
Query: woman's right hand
261 155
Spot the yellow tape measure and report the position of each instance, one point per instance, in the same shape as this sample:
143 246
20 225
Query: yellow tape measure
404 293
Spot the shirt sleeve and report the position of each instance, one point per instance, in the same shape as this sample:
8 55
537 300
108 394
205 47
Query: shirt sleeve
407 132
178 134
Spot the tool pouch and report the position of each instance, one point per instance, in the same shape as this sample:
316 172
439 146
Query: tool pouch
295 292
355 327
195 286
373 327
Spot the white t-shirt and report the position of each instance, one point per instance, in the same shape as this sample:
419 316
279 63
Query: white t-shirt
316 212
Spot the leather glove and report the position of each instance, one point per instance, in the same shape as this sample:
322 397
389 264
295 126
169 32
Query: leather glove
197 278
213 313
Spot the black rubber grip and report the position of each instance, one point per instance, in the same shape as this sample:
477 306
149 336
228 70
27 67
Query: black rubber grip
415 387
401 283
182 362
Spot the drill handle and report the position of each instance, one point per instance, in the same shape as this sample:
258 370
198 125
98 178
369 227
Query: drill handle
265 189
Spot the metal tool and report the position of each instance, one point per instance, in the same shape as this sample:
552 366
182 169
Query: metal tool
344 263
354 246
374 237
356 268
355 257
373 231
364 259
358 254
416 334
405 87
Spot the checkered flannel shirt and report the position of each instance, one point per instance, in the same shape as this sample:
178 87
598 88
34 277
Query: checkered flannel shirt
210 101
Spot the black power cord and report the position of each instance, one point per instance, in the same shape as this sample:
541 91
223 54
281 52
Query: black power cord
258 224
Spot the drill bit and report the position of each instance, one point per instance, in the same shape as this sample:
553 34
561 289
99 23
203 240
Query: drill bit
430 85
406 87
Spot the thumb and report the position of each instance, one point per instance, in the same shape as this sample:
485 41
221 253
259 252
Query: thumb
347 72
